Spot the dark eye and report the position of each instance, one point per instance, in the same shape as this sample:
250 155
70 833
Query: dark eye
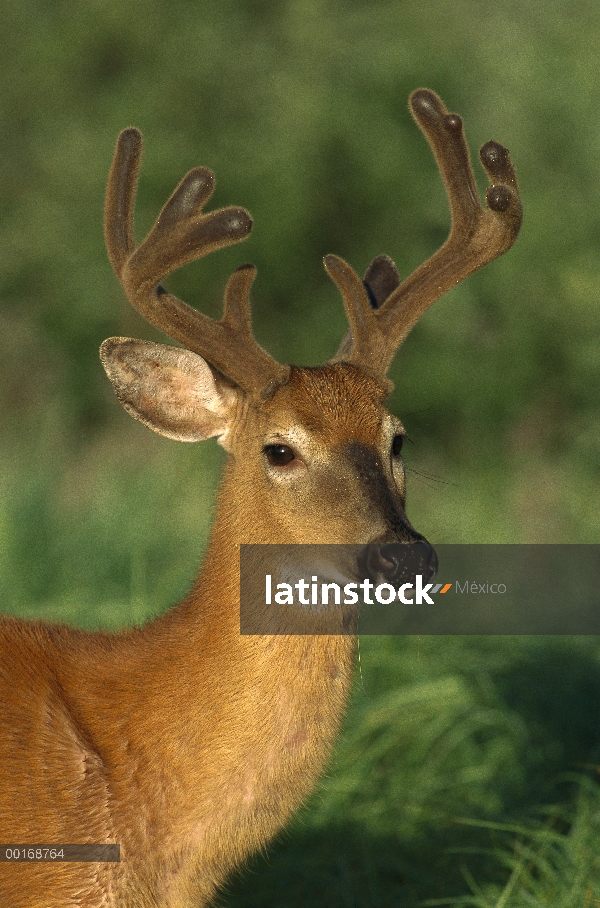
397 445
279 455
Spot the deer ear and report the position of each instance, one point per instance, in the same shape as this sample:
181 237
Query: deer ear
171 390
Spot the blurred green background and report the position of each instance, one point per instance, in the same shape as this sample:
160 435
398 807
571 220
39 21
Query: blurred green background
300 108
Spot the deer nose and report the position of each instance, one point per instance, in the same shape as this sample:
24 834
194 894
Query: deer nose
417 557
398 562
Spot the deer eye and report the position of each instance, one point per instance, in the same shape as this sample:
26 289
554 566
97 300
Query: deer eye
397 445
279 455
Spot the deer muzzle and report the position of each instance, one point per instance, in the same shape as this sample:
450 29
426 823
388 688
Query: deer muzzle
398 562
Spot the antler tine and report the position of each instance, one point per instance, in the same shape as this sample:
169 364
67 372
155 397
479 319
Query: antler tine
182 234
120 198
477 235
358 309
363 341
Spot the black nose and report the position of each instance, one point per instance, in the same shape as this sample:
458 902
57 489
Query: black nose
414 558
399 562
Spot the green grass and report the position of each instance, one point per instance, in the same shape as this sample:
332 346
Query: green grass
462 759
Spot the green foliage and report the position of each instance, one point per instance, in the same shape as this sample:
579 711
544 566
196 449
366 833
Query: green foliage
300 108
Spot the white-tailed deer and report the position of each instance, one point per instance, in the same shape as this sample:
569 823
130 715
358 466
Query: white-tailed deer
184 741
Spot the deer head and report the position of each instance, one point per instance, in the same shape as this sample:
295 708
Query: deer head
315 454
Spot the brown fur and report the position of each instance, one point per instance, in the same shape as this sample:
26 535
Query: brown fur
186 743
